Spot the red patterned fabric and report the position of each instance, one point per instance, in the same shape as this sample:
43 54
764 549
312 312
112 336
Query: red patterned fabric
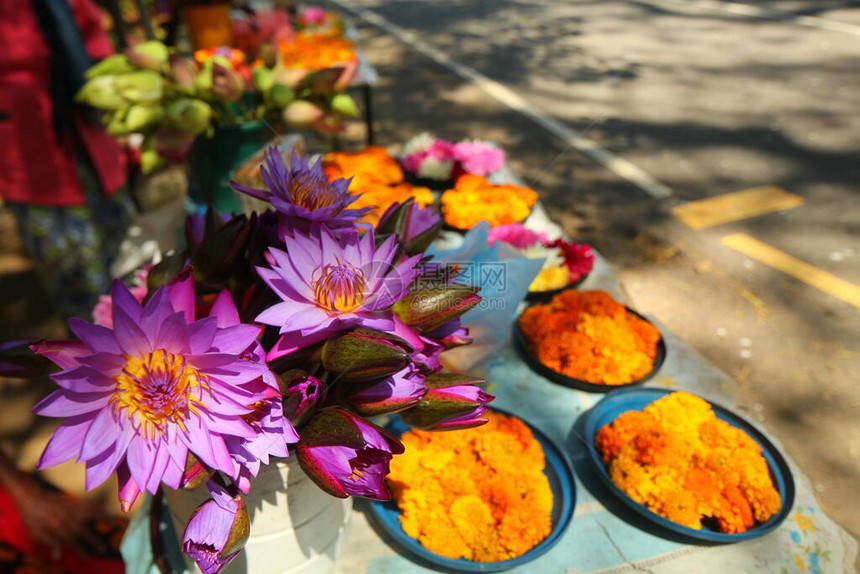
38 166
19 554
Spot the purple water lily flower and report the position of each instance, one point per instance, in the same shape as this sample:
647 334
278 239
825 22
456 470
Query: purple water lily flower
329 283
302 194
347 456
217 530
137 398
389 395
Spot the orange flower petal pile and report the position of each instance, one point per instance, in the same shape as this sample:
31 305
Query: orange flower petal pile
587 335
474 199
479 494
675 457
377 177
310 51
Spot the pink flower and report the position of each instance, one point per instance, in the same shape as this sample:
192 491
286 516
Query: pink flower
412 162
578 258
312 16
516 235
478 158
441 150
103 311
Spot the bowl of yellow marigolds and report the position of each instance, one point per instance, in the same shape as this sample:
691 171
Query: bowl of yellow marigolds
481 499
687 465
474 199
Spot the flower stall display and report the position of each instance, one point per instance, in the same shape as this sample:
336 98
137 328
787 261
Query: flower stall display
566 263
474 199
679 460
428 157
172 99
271 336
376 180
479 494
589 337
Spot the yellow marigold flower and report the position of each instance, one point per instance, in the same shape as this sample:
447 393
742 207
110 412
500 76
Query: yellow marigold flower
474 199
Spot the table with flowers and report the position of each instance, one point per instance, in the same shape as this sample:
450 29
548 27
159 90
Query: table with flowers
604 536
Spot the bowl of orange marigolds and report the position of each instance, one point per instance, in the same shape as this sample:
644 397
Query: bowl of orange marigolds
377 180
474 199
589 341
482 499
688 465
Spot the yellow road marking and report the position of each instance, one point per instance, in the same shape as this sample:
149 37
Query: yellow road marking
735 206
798 269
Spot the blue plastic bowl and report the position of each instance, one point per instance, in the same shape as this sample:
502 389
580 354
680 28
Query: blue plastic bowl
623 400
558 472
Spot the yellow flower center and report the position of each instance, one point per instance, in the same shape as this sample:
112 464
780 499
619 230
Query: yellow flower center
312 194
158 388
339 288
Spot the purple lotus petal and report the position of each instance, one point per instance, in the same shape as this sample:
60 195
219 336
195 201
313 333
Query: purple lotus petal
200 335
95 337
236 339
132 340
181 295
64 353
64 403
84 379
100 436
105 363
65 443
155 312
224 310
128 488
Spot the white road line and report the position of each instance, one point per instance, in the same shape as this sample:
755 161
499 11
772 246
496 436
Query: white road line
749 11
621 167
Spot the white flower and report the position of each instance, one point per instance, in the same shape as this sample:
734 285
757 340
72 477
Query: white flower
435 168
419 143
554 256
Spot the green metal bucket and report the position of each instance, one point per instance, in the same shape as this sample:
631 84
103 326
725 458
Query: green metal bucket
212 161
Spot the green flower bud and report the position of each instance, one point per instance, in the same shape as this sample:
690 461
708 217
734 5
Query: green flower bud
427 309
110 66
189 115
101 93
263 79
196 473
301 113
344 105
150 55
143 86
281 96
140 116
365 354
150 160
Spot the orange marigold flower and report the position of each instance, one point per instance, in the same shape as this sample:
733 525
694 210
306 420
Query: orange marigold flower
377 177
683 463
311 51
372 165
589 336
474 199
479 494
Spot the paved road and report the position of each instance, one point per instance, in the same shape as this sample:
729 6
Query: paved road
707 97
